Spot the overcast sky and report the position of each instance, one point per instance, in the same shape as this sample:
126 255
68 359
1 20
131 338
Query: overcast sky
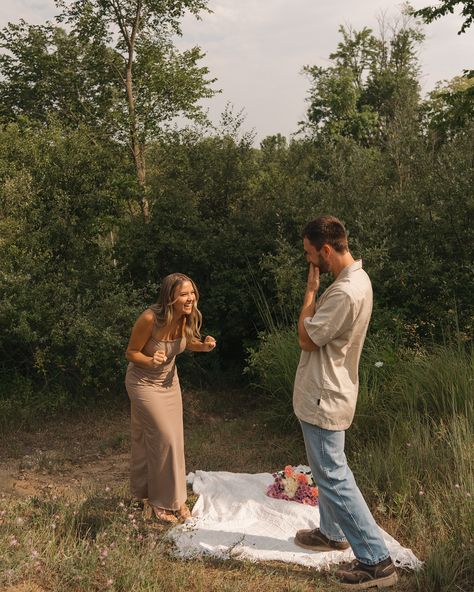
257 48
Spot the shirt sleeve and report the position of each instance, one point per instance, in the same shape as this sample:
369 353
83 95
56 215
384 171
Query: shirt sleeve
334 317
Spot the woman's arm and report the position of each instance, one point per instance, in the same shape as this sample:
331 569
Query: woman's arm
141 333
207 345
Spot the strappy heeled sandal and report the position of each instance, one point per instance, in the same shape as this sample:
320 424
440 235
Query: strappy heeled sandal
184 512
150 511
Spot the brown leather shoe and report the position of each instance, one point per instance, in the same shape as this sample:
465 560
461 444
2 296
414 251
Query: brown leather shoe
316 540
359 576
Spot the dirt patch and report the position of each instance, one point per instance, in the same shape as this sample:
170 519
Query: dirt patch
110 471
82 451
67 455
24 587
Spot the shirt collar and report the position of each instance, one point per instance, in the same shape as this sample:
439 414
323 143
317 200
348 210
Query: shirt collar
350 268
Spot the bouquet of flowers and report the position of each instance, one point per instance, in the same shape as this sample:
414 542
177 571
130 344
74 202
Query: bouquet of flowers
294 484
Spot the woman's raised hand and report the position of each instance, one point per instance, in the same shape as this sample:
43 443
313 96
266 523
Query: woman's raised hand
159 357
209 343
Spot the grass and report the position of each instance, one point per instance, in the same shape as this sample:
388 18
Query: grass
411 445
94 538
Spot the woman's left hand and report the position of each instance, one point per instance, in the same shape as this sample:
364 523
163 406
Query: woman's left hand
209 343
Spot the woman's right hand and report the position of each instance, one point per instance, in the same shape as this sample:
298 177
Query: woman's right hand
159 357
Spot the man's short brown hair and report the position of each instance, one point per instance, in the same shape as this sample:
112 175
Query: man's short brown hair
327 230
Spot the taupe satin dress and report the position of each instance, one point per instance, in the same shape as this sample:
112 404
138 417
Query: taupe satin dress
157 469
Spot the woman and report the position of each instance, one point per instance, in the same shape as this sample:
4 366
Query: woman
161 333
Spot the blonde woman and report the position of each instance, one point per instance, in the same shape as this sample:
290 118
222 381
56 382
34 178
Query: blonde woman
161 332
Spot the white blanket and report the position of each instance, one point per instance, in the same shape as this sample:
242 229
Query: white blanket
234 518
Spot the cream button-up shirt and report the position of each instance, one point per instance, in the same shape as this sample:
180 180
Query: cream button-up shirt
327 379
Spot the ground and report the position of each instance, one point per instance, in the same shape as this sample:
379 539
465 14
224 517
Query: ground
85 456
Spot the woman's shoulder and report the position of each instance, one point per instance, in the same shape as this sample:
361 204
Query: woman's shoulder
149 315
147 318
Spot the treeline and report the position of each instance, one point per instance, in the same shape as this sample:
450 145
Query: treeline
100 197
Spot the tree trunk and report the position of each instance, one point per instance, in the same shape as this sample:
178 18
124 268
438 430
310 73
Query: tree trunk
138 149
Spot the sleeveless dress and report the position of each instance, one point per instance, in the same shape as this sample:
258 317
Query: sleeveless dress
157 468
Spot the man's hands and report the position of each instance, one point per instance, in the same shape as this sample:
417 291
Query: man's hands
313 281
308 308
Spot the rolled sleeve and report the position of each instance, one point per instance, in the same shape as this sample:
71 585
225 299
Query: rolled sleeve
334 317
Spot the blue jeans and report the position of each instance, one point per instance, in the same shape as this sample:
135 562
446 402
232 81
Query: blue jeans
344 514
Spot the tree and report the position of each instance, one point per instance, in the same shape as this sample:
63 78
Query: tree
116 69
450 108
432 13
371 81
50 72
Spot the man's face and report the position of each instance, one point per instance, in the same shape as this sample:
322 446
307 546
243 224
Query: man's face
317 258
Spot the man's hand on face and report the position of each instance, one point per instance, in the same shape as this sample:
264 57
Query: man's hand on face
313 278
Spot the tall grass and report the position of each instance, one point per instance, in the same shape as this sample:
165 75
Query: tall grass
411 444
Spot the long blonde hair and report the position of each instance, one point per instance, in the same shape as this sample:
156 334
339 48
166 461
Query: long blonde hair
164 311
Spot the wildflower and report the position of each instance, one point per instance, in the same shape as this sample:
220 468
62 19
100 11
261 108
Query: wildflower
34 553
104 552
421 492
20 521
456 485
13 542
107 488
109 582
378 364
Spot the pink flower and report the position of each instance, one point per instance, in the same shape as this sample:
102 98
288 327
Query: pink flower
292 485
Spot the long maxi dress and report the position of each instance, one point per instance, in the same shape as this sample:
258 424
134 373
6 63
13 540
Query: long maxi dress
157 468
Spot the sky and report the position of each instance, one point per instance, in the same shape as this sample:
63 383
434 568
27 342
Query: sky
257 48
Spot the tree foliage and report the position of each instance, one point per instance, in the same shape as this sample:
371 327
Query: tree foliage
371 82
432 13
78 265
115 70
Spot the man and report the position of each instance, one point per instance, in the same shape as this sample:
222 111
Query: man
331 332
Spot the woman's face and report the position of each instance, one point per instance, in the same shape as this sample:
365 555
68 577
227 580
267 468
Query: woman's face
184 299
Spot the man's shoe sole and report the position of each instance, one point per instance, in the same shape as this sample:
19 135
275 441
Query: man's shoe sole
319 547
378 583
313 547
